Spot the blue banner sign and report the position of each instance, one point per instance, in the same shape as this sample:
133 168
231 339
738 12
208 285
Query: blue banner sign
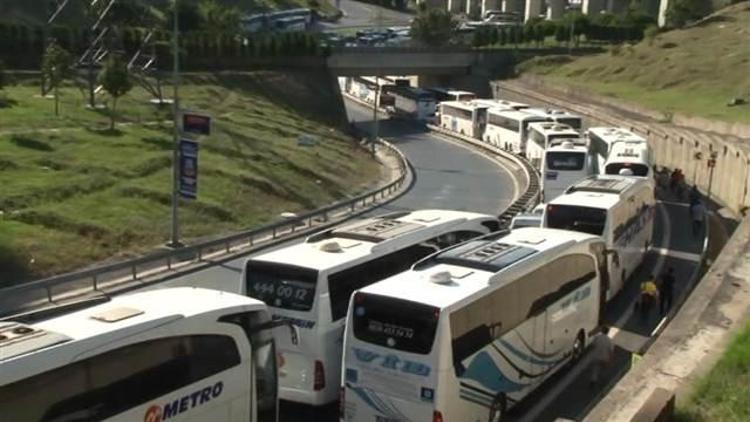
188 187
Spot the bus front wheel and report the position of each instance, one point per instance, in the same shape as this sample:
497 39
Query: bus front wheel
497 410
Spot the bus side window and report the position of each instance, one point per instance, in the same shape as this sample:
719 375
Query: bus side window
119 380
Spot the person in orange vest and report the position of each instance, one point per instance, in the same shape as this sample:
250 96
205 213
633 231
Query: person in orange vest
649 297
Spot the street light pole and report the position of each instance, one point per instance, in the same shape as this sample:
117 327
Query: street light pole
175 242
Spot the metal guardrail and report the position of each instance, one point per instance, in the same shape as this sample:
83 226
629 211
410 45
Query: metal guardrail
525 200
48 291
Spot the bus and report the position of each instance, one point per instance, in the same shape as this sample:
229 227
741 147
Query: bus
620 209
415 103
184 352
503 104
310 283
463 117
507 129
565 162
601 140
540 135
558 116
632 156
447 94
469 332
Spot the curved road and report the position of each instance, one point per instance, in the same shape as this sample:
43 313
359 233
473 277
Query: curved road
448 176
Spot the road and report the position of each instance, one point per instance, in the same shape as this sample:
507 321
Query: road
359 14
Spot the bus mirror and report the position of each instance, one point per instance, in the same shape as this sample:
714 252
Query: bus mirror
270 325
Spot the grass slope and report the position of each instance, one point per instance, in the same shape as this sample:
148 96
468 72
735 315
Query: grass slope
73 193
723 394
693 71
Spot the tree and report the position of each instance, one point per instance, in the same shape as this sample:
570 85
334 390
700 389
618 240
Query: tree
116 82
503 36
56 67
494 36
680 12
433 27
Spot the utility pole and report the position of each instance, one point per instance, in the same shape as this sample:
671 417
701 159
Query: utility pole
376 123
175 242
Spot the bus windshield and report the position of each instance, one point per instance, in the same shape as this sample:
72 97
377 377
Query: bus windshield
637 169
395 323
281 286
566 161
575 218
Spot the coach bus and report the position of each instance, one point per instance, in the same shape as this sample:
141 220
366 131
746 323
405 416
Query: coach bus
187 353
469 332
310 283
620 209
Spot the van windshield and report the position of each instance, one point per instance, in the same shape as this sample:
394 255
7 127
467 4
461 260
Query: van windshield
280 285
566 161
637 169
395 323
575 218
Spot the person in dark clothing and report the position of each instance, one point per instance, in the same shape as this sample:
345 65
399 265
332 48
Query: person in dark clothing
666 291
695 196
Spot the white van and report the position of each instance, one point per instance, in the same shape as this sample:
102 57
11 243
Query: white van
183 353
470 331
620 209
310 284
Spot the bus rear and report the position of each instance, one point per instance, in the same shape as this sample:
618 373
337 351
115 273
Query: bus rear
563 166
390 368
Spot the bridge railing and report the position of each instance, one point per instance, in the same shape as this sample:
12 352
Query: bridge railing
52 290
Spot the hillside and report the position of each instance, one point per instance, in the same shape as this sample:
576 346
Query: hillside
75 193
696 70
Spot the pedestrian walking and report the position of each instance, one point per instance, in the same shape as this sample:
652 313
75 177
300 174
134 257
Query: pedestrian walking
698 215
694 196
648 298
603 352
666 291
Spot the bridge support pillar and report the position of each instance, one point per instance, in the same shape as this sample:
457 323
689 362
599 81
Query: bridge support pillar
490 5
533 9
474 8
455 6
513 6
593 7
555 9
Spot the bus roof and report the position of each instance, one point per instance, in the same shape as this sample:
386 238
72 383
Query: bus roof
464 105
334 247
68 336
503 104
551 112
516 114
599 191
612 134
450 277
553 128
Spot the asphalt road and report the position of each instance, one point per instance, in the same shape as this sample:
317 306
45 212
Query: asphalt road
359 14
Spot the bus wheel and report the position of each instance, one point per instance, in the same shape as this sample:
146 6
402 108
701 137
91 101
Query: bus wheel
578 347
497 410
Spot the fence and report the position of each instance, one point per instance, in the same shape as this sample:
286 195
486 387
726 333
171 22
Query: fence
49 291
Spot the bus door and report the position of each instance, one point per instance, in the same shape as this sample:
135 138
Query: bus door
598 249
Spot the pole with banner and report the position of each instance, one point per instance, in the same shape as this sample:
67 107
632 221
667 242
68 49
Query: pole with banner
188 186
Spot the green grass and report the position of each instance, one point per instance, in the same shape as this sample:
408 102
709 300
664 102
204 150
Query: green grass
693 71
79 194
723 394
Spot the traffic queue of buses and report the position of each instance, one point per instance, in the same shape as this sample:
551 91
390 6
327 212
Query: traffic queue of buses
427 315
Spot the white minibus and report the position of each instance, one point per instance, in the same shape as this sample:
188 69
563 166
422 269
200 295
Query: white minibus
565 162
472 330
540 135
310 284
181 353
632 156
601 140
506 129
558 116
464 117
620 209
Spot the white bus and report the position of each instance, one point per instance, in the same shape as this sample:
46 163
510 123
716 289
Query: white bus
558 116
310 284
446 94
540 135
463 117
620 209
506 129
633 156
565 162
601 140
415 103
179 353
470 331
503 104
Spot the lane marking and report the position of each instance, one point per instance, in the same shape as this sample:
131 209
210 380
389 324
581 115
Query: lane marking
687 256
